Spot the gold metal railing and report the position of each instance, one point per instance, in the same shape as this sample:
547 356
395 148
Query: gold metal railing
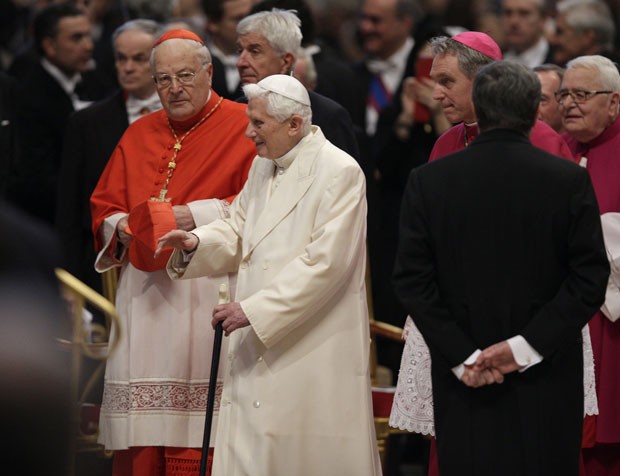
95 343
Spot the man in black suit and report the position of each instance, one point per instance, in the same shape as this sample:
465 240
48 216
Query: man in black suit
268 43
92 135
46 99
224 15
501 262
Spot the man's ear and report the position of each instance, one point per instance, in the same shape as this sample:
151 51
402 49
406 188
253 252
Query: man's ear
288 60
49 47
614 104
295 124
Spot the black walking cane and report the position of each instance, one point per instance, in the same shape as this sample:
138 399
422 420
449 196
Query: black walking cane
215 363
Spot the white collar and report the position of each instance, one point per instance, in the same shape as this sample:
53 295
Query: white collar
398 59
66 83
134 105
228 60
287 159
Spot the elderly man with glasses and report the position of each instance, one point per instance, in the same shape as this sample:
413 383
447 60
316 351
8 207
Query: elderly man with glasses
179 167
589 100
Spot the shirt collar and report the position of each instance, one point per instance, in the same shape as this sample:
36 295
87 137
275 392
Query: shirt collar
66 83
227 60
378 66
134 105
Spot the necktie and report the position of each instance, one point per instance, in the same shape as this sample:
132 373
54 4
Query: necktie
378 95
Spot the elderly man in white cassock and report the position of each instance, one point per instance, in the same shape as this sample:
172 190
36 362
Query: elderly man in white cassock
297 398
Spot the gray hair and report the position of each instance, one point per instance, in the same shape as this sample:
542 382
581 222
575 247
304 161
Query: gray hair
201 51
310 77
470 61
590 15
281 29
506 96
279 107
150 27
605 69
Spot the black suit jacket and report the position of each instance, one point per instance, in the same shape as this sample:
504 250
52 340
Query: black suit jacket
90 139
219 83
42 110
497 240
335 122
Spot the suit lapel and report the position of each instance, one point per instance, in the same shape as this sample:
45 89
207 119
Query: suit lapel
290 191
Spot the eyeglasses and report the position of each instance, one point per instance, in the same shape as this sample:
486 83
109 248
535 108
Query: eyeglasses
185 78
579 95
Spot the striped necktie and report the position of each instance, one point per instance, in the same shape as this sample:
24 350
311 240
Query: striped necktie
378 95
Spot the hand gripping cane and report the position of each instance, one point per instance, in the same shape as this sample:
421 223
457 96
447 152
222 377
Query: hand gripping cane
215 363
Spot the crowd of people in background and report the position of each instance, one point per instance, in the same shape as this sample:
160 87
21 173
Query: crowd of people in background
75 75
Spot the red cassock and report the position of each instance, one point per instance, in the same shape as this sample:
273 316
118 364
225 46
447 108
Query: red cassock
213 163
604 166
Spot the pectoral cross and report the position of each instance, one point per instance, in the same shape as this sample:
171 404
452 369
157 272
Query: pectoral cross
162 196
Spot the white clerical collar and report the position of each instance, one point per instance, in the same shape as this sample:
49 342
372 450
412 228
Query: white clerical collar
531 57
287 159
136 107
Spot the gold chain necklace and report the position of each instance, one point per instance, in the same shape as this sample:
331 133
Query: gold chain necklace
172 165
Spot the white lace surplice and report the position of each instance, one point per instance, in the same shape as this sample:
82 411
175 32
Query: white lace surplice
412 409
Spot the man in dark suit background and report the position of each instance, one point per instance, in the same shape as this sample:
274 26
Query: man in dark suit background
46 99
501 262
268 43
224 15
92 135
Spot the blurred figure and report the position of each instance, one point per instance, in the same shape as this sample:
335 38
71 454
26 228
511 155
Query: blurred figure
222 19
523 23
583 27
385 28
550 77
406 132
8 134
57 86
589 101
90 139
35 398
305 70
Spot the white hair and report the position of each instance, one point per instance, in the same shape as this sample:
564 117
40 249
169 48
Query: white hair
202 52
280 107
607 72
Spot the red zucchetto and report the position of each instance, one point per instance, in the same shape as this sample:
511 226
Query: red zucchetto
178 34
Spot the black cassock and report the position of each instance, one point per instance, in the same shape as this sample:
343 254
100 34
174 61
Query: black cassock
497 240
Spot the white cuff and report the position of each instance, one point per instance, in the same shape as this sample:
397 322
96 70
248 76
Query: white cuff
525 355
459 370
